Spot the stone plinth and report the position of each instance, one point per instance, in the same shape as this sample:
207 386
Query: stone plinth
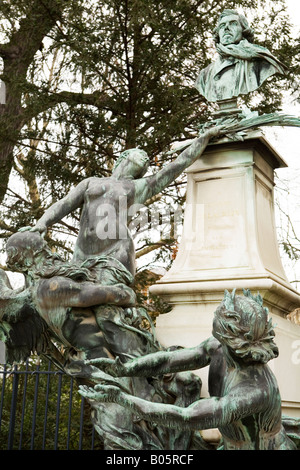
229 241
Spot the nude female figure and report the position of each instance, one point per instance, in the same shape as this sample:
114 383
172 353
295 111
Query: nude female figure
102 198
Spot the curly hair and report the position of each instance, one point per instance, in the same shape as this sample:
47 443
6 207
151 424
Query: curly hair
242 324
248 32
23 247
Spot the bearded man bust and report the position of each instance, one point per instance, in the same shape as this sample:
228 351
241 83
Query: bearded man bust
242 66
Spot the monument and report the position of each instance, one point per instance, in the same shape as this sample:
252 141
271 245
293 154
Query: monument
229 236
83 314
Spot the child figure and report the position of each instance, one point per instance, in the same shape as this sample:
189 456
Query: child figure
248 412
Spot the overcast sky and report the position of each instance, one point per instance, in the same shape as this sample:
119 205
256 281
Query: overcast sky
287 142
294 7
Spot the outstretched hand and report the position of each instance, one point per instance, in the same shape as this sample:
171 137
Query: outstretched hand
101 393
42 229
25 229
215 130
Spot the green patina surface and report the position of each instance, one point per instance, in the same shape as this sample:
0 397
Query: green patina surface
83 314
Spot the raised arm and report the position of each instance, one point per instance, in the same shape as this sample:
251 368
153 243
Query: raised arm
206 413
63 207
152 185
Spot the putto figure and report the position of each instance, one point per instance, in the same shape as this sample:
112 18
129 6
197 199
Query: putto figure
242 66
248 410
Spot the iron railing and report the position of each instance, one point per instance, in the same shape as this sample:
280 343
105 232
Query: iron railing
40 409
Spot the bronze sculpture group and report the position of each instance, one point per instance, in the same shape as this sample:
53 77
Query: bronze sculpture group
248 410
83 313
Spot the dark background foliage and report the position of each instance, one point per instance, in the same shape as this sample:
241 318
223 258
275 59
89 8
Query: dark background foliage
88 79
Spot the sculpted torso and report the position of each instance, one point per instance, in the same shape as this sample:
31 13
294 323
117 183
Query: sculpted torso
104 219
109 204
242 433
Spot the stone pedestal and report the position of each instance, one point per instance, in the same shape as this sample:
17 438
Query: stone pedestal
229 241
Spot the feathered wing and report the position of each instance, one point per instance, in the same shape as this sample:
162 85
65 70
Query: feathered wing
25 336
21 328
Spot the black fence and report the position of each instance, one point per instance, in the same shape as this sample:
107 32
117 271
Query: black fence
41 409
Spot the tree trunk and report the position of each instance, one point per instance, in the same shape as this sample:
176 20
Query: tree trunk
17 56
